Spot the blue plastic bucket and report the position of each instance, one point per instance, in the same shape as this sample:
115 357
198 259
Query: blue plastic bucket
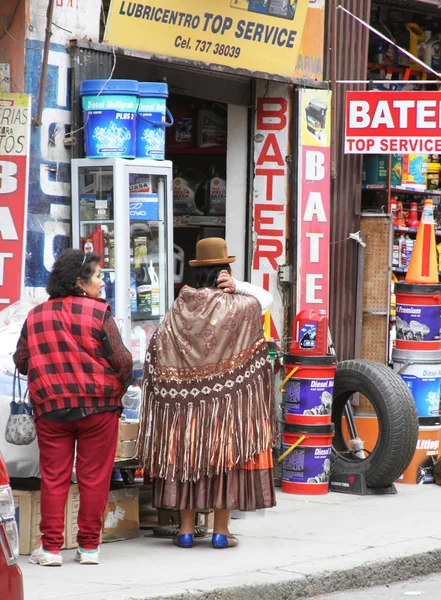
421 372
151 120
109 114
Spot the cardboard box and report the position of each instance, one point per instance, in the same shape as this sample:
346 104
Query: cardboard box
125 449
71 518
121 517
128 431
27 515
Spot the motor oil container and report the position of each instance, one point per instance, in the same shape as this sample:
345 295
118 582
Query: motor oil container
217 195
432 56
309 334
212 128
94 242
433 170
155 289
412 220
417 44
189 189
179 257
401 252
182 134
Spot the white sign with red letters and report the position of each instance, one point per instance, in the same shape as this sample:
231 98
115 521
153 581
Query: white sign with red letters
314 188
395 122
15 127
271 147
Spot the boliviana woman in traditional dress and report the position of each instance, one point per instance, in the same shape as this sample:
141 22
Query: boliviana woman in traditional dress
207 425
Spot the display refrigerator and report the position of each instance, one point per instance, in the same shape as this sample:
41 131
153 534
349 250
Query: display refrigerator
122 210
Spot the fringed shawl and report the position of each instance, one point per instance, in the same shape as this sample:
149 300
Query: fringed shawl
208 398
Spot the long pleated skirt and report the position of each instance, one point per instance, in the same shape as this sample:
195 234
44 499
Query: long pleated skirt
247 488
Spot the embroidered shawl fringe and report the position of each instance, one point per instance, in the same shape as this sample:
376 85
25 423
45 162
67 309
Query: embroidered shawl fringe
209 433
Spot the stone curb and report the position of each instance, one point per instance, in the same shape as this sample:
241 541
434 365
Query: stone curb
306 586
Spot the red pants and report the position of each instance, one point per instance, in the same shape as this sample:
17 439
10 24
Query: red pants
96 438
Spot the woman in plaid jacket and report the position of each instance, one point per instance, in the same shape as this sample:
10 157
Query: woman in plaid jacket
78 371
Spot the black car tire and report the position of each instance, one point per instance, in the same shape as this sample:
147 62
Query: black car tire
397 421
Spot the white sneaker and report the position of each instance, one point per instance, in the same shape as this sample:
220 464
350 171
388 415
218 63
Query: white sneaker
45 558
88 557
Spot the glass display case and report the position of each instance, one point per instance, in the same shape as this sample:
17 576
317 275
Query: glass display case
122 210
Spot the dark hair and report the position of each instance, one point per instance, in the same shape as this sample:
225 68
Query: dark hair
207 276
70 265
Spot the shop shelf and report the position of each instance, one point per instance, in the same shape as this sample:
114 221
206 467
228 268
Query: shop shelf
400 270
198 151
375 188
413 230
401 190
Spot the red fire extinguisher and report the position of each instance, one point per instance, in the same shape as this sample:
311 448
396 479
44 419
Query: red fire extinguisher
309 334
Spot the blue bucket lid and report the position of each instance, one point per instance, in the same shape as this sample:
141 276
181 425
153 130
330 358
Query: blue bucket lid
92 87
150 89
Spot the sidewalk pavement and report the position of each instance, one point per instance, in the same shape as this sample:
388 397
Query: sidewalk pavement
306 546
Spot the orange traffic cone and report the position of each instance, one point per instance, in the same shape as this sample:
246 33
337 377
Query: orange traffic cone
423 266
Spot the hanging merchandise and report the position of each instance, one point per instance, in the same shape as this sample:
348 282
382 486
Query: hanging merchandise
189 189
217 194
155 289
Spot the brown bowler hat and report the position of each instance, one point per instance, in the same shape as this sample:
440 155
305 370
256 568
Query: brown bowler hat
211 251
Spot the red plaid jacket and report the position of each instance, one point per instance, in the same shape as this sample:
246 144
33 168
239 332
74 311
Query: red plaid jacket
66 364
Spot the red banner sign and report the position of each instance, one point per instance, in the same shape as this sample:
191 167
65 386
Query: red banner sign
15 124
393 122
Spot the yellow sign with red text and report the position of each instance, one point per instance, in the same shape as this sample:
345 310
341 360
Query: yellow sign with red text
310 57
256 35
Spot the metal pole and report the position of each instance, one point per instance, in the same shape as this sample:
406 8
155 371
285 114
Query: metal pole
49 15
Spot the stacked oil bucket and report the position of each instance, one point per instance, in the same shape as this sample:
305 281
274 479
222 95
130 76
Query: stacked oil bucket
307 391
417 358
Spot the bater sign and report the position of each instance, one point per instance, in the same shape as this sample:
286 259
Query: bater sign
393 122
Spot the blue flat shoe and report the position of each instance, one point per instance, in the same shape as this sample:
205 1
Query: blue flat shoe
220 541
185 540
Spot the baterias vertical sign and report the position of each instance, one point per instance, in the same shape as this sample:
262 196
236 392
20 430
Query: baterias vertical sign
15 126
270 191
314 200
